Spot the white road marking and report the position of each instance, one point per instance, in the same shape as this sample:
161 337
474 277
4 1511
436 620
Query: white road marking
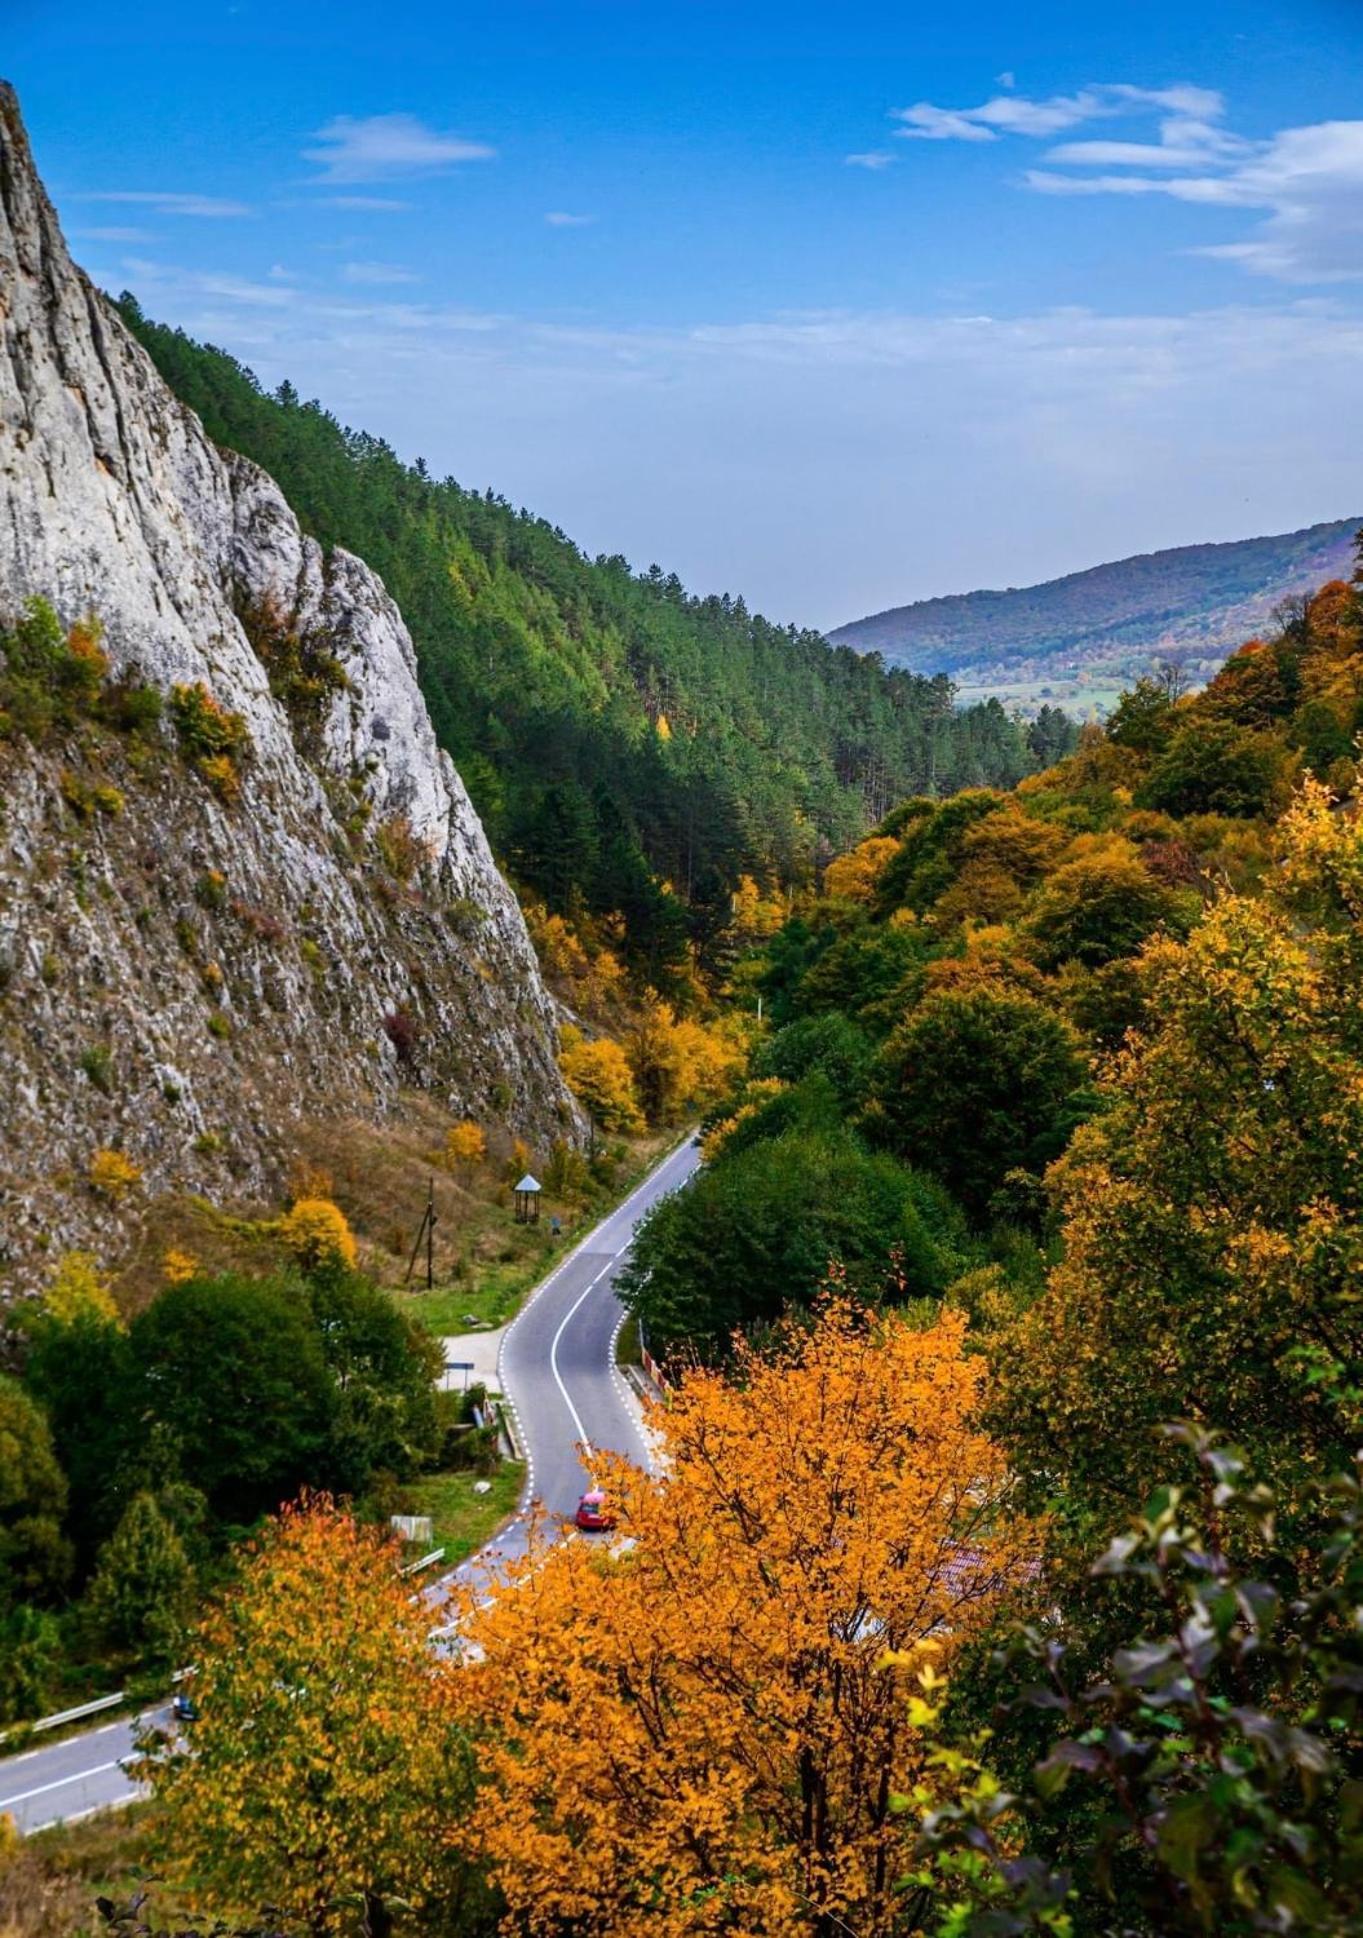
62 1783
553 1350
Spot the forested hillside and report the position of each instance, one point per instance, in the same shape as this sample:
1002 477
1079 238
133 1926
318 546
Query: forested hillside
1002 1570
1078 641
616 733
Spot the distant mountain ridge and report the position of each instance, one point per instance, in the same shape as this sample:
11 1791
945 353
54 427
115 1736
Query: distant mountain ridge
1080 639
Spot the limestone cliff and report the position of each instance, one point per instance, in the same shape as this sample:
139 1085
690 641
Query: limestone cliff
190 960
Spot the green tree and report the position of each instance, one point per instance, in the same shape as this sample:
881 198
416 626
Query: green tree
30 1653
1101 906
1212 766
1214 1208
757 1231
977 1083
384 1367
235 1368
84 1375
35 1556
140 1596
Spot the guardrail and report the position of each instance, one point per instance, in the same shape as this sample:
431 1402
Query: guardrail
62 1716
426 1561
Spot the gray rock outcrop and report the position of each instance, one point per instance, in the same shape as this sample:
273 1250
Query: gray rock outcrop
183 973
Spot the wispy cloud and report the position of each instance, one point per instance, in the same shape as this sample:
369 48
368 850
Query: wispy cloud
563 219
1306 183
872 158
377 204
378 272
112 234
1027 445
1017 114
376 147
167 202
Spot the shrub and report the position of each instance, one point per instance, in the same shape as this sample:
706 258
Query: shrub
210 890
317 1236
465 1146
214 738
403 1032
402 851
113 1175
77 1292
178 1267
97 1065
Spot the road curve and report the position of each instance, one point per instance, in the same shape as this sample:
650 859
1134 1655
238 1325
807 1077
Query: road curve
557 1363
558 1373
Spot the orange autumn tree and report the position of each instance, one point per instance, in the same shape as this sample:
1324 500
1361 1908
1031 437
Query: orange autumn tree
699 1731
325 1757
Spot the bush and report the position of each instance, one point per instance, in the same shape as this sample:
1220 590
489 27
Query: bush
113 1175
215 740
317 1236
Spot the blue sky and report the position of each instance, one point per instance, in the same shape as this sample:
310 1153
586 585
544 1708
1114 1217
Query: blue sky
834 305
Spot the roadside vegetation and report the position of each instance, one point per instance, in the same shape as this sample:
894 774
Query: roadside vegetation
1005 1576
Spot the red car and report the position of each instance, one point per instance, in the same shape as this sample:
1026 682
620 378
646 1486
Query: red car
594 1512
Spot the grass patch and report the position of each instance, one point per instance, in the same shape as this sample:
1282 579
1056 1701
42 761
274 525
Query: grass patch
462 1521
627 1351
504 1261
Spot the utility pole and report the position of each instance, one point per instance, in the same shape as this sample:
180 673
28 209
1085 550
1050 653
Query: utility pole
426 1230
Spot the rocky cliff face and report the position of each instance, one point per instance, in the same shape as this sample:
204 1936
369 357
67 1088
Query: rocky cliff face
194 955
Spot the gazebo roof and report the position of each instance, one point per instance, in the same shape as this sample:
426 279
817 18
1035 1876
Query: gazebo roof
528 1183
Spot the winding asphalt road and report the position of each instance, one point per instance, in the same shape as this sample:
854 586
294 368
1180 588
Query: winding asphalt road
558 1373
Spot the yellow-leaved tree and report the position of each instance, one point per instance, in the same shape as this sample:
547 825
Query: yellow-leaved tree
326 1756
700 1732
598 1074
77 1291
465 1147
853 876
316 1234
1214 1208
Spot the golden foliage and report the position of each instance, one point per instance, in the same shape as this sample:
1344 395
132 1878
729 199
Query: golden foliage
702 1734
323 1764
316 1234
1214 1208
178 1267
77 1291
599 1075
113 1175
465 1145
678 1063
853 877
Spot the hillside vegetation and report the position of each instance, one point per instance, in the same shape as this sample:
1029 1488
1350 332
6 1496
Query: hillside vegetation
616 733
1078 641
1002 1573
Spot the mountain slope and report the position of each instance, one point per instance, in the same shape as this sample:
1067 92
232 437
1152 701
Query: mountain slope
239 882
1088 635
608 724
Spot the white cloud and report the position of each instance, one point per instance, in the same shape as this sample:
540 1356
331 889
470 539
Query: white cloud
232 290
378 272
112 234
167 202
562 219
372 148
1016 114
953 450
1306 183
377 204
874 159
